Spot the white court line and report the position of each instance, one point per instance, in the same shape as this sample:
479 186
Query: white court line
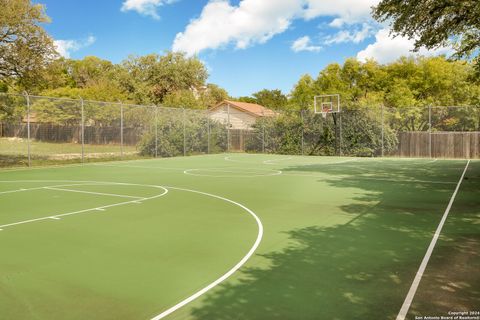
101 208
39 188
229 272
95 193
241 174
201 291
418 277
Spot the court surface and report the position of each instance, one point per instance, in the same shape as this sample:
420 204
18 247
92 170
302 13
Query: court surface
238 236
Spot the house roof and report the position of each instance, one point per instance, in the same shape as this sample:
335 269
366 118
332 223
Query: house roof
252 108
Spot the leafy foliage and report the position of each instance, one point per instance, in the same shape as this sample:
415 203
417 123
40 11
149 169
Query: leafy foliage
175 125
25 47
435 23
361 134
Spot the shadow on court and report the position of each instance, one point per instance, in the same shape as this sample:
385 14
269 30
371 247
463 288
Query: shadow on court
360 270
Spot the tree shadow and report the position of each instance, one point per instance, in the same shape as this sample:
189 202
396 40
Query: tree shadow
359 270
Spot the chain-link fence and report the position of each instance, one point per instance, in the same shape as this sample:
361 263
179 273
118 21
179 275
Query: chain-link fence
37 130
42 130
430 131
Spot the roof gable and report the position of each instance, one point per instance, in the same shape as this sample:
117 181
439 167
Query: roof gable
252 108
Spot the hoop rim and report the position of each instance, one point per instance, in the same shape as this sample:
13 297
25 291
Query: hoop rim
333 103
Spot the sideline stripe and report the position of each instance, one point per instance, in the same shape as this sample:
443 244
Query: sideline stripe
39 188
201 291
418 277
243 174
229 272
101 208
96 193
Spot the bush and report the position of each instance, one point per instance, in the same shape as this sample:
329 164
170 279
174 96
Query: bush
170 132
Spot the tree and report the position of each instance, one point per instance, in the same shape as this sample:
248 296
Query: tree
25 47
246 99
303 93
272 99
90 70
155 76
212 95
435 23
182 99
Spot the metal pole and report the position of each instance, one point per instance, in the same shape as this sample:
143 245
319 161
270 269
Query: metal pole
208 132
121 130
340 142
303 131
28 127
156 131
430 131
340 133
263 132
383 146
228 128
83 129
184 135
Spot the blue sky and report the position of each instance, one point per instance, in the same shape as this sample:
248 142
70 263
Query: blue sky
247 45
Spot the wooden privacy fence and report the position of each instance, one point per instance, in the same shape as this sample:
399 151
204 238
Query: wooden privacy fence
72 134
462 145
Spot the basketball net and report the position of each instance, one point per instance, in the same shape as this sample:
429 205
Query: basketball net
324 112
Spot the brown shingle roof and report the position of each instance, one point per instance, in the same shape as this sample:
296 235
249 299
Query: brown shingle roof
253 108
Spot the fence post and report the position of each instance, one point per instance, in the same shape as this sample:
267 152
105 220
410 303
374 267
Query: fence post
228 127
208 132
156 131
340 138
303 131
82 132
184 134
263 132
430 131
27 97
121 130
383 146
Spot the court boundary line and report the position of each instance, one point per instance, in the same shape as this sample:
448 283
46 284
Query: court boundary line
100 208
230 272
200 292
242 174
94 193
38 188
418 277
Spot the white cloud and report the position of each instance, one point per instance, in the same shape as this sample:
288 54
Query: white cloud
254 21
387 48
250 22
344 11
66 47
355 36
145 7
304 44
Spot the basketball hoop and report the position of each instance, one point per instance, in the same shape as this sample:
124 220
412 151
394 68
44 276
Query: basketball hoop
325 104
327 107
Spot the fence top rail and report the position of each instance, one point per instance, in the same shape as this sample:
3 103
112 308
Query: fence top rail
119 103
348 108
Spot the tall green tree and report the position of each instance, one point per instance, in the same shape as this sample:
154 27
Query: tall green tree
435 23
303 93
25 47
152 77
211 95
272 99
